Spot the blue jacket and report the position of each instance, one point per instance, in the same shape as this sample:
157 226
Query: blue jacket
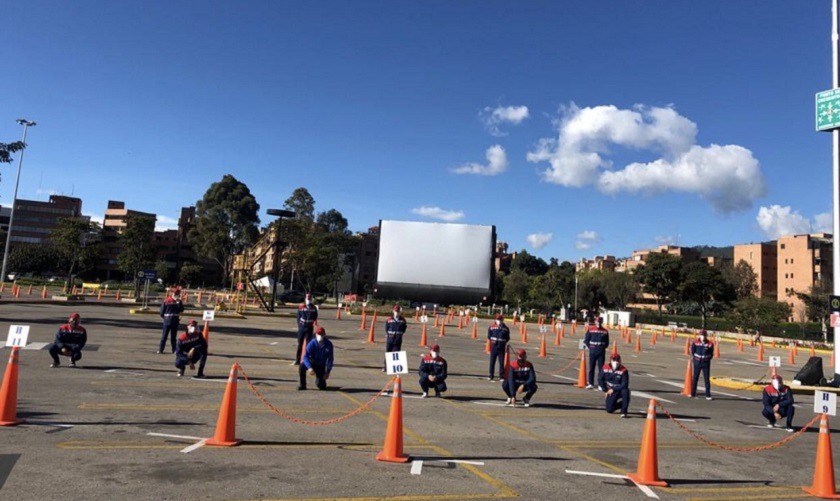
597 339
498 334
614 379
306 318
771 396
187 341
171 308
521 374
319 355
395 326
702 352
436 367
70 337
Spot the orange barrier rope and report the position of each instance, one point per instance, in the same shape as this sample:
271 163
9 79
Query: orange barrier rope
573 362
735 448
325 422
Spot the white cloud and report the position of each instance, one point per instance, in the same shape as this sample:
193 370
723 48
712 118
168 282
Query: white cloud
40 191
539 240
438 213
496 163
95 218
777 221
165 223
665 239
728 176
586 240
493 117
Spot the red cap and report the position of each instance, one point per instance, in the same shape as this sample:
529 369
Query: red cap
520 353
74 316
320 330
499 316
435 347
192 322
397 307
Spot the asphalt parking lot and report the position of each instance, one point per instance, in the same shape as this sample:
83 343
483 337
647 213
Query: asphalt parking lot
122 425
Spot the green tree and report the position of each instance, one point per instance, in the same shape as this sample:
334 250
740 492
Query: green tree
620 289
163 272
190 274
703 285
302 203
531 265
6 150
38 259
516 287
817 300
743 279
752 313
78 244
137 252
226 222
659 277
591 292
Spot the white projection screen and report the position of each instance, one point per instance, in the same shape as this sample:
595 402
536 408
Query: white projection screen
438 262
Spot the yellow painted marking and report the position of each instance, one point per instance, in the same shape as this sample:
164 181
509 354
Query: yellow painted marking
202 408
798 495
712 490
162 384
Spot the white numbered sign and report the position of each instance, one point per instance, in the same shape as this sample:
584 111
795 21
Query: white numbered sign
424 319
521 318
825 402
209 315
17 335
396 362
581 344
341 305
775 361
638 332
543 329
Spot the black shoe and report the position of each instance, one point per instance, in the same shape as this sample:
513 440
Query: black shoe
55 364
200 375
181 373
159 352
301 387
72 363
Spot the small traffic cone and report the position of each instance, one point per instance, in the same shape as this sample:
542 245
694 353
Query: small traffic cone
2 286
8 391
372 332
638 347
423 336
574 326
507 363
813 351
29 290
460 322
752 342
206 334
226 424
442 332
44 292
524 333
717 348
740 345
474 334
392 450
629 338
795 349
99 295
515 318
487 347
436 322
687 382
562 331
614 349
581 382
760 356
338 313
557 337
653 339
673 336
542 354
363 325
17 292
823 486
119 295
791 356
687 349
647 471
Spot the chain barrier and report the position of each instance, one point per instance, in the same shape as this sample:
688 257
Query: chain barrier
735 448
325 422
573 362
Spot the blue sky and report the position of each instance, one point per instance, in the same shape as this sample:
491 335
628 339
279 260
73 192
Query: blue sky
577 128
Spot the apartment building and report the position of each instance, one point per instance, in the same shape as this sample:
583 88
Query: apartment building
597 263
35 221
116 216
763 257
638 257
803 261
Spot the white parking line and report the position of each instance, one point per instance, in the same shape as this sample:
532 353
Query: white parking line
174 436
648 395
647 490
194 446
416 467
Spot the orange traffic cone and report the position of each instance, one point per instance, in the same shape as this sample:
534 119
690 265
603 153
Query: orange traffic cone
740 345
524 333
436 322
423 336
226 424
372 332
760 356
460 322
17 292
29 290
507 363
363 325
615 349
574 326
752 342
8 391
474 334
638 347
2 286
338 313
206 334
647 471
487 347
653 339
687 349
44 292
542 348
581 382
392 450
557 336
99 295
687 382
515 319
823 486
813 351
119 295
791 356
673 336
442 332
717 348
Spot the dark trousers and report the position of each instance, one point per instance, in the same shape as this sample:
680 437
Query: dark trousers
199 356
511 392
170 328
320 382
497 352
425 384
784 410
618 398
596 359
701 367
55 350
393 343
303 338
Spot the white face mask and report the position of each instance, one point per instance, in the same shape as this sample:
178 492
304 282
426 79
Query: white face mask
396 314
702 339
308 302
319 338
614 365
433 354
498 322
776 384
191 329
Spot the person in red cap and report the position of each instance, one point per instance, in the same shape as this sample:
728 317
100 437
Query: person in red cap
394 329
614 381
191 348
170 312
522 378
499 335
317 360
307 317
69 341
777 399
433 372
702 352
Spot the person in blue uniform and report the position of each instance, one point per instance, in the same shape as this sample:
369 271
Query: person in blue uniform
614 381
499 334
307 317
432 371
394 329
317 360
69 341
190 348
522 378
596 340
702 352
778 403
170 312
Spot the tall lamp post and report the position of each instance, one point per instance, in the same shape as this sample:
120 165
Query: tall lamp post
280 214
26 124
574 313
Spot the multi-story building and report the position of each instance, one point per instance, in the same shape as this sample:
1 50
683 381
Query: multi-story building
116 216
35 221
763 258
598 263
803 261
638 258
367 259
502 259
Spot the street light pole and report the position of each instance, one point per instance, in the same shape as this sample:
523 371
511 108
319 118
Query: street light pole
574 313
26 124
280 214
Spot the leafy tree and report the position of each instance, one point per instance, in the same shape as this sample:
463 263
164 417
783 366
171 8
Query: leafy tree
137 252
225 222
6 150
302 203
78 244
553 288
620 289
531 265
516 287
703 285
660 276
37 259
591 292
190 273
753 313
743 278
163 272
817 303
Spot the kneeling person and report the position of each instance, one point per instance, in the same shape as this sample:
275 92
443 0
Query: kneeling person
778 403
317 360
433 372
191 347
615 383
521 378
69 341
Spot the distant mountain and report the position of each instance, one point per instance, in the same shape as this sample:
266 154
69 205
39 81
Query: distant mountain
722 252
